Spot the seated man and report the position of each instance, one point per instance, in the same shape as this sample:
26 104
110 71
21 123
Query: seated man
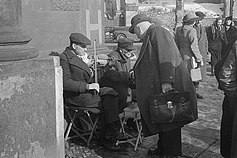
117 76
78 86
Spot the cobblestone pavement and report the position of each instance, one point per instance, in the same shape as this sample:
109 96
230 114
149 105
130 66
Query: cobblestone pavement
200 139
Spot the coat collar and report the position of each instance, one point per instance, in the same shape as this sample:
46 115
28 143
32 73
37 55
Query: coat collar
142 52
144 45
76 61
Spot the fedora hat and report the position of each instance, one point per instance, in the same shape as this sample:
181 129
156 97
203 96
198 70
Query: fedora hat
137 19
190 16
200 14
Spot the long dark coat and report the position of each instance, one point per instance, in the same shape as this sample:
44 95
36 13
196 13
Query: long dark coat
214 43
76 74
228 132
203 48
160 62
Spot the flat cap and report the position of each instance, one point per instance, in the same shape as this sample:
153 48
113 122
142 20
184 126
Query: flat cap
79 39
126 43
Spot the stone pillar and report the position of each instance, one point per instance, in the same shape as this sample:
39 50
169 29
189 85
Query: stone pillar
226 8
179 13
31 109
31 93
14 42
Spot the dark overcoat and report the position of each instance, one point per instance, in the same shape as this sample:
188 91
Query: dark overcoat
160 62
76 74
228 132
203 48
117 78
214 43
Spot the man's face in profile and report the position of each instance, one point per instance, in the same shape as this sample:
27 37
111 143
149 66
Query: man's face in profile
79 49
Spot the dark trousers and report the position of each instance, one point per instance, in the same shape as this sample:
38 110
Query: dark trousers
228 136
170 142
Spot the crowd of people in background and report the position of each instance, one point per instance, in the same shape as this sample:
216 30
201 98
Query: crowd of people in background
164 63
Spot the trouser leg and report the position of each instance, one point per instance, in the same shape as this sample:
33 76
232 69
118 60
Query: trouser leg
227 137
170 142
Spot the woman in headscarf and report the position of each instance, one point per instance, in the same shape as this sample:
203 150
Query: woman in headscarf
226 74
214 42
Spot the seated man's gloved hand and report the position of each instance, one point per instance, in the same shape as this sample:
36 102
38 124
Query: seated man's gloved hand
94 86
166 87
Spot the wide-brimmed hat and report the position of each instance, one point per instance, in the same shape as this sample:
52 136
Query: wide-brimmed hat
200 14
137 19
126 43
190 16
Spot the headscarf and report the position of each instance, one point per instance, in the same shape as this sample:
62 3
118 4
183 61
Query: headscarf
214 28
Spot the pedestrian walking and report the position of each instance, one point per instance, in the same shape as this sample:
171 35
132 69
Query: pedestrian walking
214 37
228 31
203 48
187 42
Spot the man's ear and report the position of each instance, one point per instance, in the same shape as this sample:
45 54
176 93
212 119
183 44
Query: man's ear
73 46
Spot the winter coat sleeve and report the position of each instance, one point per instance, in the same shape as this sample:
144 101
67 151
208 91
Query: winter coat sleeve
68 83
117 76
194 44
167 52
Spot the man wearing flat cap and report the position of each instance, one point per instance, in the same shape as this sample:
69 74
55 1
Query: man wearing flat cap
117 75
160 69
79 86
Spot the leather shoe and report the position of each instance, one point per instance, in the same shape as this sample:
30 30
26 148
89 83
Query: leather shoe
109 145
199 96
154 152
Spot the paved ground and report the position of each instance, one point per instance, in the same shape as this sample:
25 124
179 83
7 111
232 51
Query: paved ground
200 138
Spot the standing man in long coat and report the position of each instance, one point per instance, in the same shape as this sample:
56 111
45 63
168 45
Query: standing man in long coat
214 37
203 48
158 69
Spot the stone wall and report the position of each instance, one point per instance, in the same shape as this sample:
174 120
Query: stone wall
31 109
50 22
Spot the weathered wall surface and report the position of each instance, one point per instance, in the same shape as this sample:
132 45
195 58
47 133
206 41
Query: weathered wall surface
50 22
31 109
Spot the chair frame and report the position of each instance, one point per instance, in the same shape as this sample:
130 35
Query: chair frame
123 120
81 133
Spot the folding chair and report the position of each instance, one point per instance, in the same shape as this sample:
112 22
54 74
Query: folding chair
133 113
88 119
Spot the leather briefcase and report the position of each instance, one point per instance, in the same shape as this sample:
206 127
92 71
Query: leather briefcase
170 107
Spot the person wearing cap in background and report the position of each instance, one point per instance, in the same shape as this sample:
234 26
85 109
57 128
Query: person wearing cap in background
228 30
117 75
203 48
78 86
187 42
160 69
